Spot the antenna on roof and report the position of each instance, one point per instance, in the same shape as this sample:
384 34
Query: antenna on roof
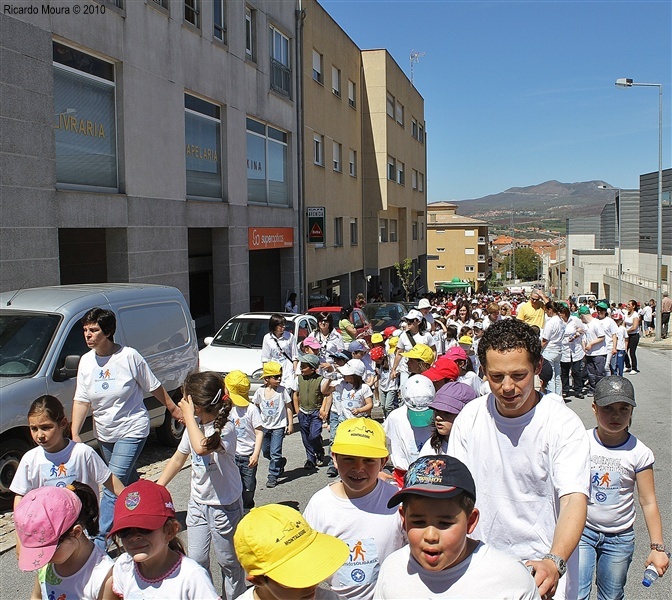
415 58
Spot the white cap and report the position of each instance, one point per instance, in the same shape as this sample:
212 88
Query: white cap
418 391
353 367
424 303
414 315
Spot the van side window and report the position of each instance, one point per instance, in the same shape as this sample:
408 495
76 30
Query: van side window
74 344
141 332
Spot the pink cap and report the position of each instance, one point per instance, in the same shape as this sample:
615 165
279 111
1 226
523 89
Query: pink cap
456 353
311 342
40 519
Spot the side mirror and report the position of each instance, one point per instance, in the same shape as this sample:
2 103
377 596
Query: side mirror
208 340
69 369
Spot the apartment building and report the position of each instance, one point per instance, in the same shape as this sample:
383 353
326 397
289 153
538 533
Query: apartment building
457 247
153 141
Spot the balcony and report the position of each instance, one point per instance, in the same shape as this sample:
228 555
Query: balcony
481 277
481 258
481 240
281 78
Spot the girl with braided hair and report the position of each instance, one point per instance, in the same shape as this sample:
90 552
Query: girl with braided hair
216 504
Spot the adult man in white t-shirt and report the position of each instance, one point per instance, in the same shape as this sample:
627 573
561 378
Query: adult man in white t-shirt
595 346
529 456
610 336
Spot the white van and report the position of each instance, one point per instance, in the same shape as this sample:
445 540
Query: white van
41 341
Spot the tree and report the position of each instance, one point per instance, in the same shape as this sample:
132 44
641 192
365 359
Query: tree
407 276
527 263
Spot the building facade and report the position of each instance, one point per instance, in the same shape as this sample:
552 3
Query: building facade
457 247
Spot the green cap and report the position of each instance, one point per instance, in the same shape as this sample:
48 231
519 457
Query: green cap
603 305
584 310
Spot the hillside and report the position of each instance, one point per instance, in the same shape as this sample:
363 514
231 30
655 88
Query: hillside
543 206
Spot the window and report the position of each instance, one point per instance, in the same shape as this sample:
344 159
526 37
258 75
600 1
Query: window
162 3
391 169
469 251
336 81
469 233
353 163
421 133
414 128
422 231
192 12
317 67
338 150
418 131
351 94
318 149
421 182
401 178
281 74
414 179
440 231
353 232
250 33
440 249
400 113
338 231
390 105
84 120
393 230
440 267
203 148
469 268
414 230
219 20
267 165
382 230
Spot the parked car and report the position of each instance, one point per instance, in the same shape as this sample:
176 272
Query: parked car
357 318
237 345
42 340
384 314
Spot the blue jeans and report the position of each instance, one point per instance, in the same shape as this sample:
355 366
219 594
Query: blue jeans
612 553
271 449
120 457
311 435
390 401
334 421
618 362
248 475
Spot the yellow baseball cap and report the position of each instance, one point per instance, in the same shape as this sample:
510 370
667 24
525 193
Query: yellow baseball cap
377 338
421 352
272 368
393 341
238 386
360 437
276 541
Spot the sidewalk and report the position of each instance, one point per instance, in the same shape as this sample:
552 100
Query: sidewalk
649 342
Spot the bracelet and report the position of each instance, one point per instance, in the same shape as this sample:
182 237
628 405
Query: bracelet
658 547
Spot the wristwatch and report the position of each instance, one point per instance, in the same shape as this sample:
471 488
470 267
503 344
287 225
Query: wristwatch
658 547
560 564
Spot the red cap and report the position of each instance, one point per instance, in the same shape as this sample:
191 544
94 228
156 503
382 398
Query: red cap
143 504
377 353
443 368
389 331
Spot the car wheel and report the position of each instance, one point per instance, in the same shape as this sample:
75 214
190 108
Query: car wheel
11 451
170 433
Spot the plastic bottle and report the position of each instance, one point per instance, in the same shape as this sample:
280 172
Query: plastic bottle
650 575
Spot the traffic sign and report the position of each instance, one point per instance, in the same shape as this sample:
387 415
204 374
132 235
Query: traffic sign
316 218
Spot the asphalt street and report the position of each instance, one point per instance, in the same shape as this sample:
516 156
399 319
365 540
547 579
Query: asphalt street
652 423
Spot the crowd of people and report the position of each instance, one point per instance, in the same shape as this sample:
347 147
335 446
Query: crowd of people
480 482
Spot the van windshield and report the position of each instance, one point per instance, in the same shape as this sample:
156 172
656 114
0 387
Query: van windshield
24 339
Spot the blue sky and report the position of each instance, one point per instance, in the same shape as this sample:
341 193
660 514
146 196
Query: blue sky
518 93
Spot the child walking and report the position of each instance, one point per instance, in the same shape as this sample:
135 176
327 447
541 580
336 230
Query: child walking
215 506
277 419
387 386
54 525
618 461
351 393
154 565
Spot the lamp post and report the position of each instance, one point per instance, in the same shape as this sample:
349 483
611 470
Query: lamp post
625 82
619 202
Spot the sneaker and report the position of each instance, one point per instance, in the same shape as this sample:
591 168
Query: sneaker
580 396
271 483
626 371
332 471
633 372
319 461
309 464
325 461
589 393
283 462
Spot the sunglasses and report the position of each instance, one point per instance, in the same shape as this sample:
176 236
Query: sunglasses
274 376
124 533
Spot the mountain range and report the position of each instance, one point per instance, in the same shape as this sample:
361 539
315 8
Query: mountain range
544 206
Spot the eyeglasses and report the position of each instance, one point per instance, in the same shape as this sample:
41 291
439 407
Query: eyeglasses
129 531
323 322
275 376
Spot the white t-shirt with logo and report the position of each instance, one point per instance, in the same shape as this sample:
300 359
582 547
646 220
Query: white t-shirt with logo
215 478
76 462
404 345
245 420
85 584
613 473
273 410
115 386
346 398
371 530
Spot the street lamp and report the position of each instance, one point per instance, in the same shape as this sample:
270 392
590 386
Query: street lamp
625 82
618 218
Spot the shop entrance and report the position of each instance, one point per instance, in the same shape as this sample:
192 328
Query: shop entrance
265 287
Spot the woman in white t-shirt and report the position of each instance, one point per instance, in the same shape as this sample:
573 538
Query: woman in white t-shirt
112 380
279 345
551 344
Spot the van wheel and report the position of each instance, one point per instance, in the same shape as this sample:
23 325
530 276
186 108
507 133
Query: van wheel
11 451
170 433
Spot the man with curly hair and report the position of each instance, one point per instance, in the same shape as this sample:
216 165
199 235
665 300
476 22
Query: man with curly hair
529 455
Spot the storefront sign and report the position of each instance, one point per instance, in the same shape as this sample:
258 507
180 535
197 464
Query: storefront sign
316 218
265 238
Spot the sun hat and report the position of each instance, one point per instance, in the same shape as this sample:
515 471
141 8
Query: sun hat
377 338
41 518
238 386
143 504
443 368
353 367
310 359
421 352
389 331
614 388
584 310
377 353
456 353
311 342
424 303
418 393
414 315
453 397
439 476
360 437
467 340
358 346
272 368
276 541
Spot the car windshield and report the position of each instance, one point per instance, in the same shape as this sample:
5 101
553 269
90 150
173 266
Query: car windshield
245 332
383 315
24 339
